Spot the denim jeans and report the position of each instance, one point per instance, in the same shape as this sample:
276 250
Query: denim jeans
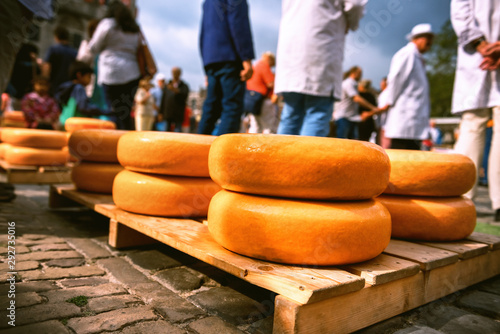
346 129
306 115
225 95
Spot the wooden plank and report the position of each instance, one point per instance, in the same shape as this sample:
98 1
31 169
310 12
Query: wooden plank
383 269
121 236
357 310
301 284
38 177
59 201
492 240
428 257
87 199
465 249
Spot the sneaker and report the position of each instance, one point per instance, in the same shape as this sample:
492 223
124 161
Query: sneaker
497 215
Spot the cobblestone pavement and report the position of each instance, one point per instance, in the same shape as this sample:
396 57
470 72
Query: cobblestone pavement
70 281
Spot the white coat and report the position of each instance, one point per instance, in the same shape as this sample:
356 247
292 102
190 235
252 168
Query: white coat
311 45
408 94
475 88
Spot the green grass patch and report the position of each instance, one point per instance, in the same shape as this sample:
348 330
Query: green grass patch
78 300
487 228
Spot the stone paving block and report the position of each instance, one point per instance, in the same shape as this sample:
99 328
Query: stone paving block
42 312
47 240
264 326
65 263
153 327
180 279
417 330
46 256
19 249
60 296
153 260
471 323
47 327
20 266
110 303
123 271
229 304
50 247
22 287
59 273
386 326
86 281
484 303
491 286
436 315
88 248
213 325
111 321
22 300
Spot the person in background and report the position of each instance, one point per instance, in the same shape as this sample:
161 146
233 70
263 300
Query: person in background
309 61
59 58
157 92
40 109
367 126
6 103
145 106
173 102
116 40
24 72
476 93
381 118
226 47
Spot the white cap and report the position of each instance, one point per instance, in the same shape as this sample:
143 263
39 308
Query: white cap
161 76
420 29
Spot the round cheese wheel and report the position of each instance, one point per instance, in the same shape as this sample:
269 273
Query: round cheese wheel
35 138
16 116
299 167
430 218
421 173
35 156
95 177
78 123
3 148
159 195
95 144
298 231
166 153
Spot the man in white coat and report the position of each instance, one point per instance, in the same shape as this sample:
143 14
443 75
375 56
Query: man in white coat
309 61
408 99
476 94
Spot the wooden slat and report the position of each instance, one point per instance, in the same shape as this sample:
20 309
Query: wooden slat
465 249
87 199
383 269
492 240
428 257
301 284
121 236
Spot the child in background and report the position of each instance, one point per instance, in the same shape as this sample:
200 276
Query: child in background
40 109
73 97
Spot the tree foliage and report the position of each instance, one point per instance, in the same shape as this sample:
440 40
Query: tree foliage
441 61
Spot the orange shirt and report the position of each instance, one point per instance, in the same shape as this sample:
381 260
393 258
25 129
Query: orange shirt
262 76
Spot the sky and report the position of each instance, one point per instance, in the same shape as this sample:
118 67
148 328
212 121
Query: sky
172 29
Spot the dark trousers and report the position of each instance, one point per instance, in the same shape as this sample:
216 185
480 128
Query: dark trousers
121 100
224 101
406 144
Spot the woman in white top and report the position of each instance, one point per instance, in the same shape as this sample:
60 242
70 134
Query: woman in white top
116 40
145 107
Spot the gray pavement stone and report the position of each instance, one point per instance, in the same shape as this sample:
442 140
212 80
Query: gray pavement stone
20 266
487 304
59 273
469 324
22 300
50 247
491 286
153 260
88 248
37 286
43 312
418 330
228 304
111 321
384 326
153 327
47 327
123 271
264 326
46 256
60 296
47 240
213 325
19 249
180 279
65 263
436 315
86 281
110 303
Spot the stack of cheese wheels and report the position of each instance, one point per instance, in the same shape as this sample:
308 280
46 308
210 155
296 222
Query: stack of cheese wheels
78 123
98 163
424 195
32 147
14 119
166 174
299 200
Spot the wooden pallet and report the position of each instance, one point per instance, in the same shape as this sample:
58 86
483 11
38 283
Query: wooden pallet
324 299
21 174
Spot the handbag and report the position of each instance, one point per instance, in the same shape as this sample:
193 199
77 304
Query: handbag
145 60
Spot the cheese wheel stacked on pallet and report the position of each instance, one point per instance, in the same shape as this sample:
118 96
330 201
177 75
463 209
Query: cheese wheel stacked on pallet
32 147
166 174
424 195
15 119
97 167
78 123
299 200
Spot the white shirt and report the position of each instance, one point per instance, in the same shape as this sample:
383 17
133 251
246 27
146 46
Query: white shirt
346 107
475 88
311 45
117 53
408 94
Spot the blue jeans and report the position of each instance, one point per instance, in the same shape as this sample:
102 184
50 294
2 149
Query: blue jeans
346 129
306 115
225 95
